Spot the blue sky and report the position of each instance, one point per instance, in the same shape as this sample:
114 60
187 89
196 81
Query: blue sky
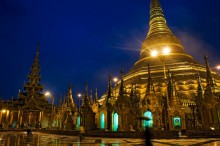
84 40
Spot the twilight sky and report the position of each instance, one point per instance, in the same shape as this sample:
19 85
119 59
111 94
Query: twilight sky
85 40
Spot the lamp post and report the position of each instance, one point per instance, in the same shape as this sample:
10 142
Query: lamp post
165 51
48 94
115 80
2 120
217 69
3 111
79 95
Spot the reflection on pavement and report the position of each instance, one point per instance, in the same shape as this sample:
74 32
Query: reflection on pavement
41 139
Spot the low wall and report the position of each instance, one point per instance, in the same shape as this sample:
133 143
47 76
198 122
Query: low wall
118 134
203 133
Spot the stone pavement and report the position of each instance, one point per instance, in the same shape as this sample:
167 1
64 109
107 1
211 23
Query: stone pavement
39 139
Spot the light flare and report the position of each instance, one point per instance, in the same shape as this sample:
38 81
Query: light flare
154 53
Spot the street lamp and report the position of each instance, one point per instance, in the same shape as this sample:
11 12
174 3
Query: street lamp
154 53
217 69
3 121
48 94
115 80
166 51
3 111
79 95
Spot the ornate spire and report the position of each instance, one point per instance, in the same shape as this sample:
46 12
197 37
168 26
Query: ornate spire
109 89
121 90
86 96
209 79
199 88
86 89
172 94
60 101
157 20
33 86
150 86
200 94
109 86
91 98
132 94
70 98
96 95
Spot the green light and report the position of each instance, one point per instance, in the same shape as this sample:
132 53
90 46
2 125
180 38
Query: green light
102 121
150 122
78 123
115 122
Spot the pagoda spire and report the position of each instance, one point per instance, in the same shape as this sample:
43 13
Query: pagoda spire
86 96
34 75
96 95
70 98
86 90
91 98
109 88
121 90
159 36
60 101
200 95
33 86
209 78
157 20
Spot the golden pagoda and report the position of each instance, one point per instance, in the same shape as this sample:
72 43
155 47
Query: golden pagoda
172 89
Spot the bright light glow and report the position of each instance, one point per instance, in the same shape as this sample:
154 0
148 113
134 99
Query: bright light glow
166 51
218 67
79 95
3 111
115 79
47 93
154 53
212 128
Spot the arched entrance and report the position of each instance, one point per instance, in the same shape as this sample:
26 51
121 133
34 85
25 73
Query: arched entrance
115 121
148 123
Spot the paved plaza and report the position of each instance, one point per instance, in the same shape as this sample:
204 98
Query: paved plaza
40 139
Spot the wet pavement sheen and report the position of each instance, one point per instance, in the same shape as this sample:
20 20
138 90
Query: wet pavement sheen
40 139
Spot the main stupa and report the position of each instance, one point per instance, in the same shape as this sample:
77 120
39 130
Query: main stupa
166 85
163 51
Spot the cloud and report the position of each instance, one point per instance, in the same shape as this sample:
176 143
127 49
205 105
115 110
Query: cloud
197 47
